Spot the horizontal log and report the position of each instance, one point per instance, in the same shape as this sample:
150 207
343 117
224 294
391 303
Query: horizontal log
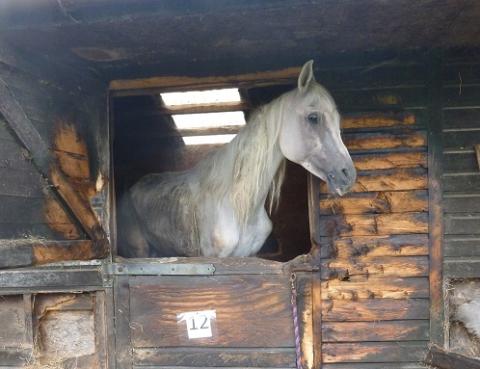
461 223
374 352
395 245
214 357
401 330
376 202
172 83
384 141
374 310
369 120
388 180
12 156
390 160
443 359
381 99
372 224
205 108
251 311
461 246
388 266
359 287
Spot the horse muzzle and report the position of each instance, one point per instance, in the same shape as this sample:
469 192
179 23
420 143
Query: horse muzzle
341 181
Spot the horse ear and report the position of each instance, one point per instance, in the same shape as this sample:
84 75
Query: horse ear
306 76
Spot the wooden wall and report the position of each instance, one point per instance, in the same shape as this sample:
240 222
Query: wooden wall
461 192
374 243
52 149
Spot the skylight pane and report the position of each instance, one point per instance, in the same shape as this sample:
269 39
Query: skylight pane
226 95
208 140
209 120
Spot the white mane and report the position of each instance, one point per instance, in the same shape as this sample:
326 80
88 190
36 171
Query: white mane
243 169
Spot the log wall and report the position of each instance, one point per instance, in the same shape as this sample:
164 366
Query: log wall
374 242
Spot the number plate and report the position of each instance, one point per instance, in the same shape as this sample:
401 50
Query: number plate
199 323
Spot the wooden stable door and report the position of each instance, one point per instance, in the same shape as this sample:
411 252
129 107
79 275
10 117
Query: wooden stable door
208 313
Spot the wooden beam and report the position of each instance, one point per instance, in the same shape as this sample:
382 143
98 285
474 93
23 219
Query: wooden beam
175 83
19 253
205 108
438 358
435 226
41 158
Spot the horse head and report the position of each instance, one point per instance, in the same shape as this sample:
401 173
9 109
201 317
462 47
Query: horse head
310 134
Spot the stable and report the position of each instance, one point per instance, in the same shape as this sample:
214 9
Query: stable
387 276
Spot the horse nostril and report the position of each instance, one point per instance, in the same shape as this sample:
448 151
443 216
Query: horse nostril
331 176
345 173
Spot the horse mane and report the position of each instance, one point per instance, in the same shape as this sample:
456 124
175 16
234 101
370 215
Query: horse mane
244 168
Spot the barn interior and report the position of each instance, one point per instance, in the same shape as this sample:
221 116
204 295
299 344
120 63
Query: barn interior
396 265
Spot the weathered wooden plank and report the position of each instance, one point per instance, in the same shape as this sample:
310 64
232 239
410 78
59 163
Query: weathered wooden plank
461 268
374 352
397 365
12 316
215 357
132 87
370 119
252 311
388 180
4 131
390 160
123 343
359 287
462 246
461 140
442 359
387 266
461 118
394 98
401 330
460 162
466 183
13 254
46 278
373 224
462 223
394 245
384 140
24 183
375 202
12 156
30 230
373 310
459 96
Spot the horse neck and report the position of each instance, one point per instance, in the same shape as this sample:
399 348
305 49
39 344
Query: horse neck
253 158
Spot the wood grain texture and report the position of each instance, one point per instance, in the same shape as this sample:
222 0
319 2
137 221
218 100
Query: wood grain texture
376 202
394 245
373 224
390 160
401 330
443 359
251 311
374 352
369 120
375 288
388 180
395 365
371 310
383 141
387 266
215 357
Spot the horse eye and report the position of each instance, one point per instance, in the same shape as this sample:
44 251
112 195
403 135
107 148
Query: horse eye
312 118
